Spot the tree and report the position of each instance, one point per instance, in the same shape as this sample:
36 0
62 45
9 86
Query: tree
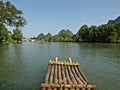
17 35
64 35
84 33
48 36
93 33
117 27
79 34
10 15
4 33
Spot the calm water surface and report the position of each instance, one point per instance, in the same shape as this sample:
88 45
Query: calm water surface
23 66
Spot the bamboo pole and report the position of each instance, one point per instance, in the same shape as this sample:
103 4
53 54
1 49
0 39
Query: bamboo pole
51 77
47 74
67 85
55 76
64 77
43 88
71 75
67 76
59 76
76 76
72 78
83 89
62 63
56 59
79 75
69 60
82 74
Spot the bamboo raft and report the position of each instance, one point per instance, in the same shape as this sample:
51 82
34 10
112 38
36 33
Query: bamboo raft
62 75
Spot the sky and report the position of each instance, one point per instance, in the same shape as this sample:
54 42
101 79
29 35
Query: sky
50 16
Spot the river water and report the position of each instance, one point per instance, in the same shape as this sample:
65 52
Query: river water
23 66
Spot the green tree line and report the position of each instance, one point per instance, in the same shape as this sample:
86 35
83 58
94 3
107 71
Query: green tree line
10 16
102 33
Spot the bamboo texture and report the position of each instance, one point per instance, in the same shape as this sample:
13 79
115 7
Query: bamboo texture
62 75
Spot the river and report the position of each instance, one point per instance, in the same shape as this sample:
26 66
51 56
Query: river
23 66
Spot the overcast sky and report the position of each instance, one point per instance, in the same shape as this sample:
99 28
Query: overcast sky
45 16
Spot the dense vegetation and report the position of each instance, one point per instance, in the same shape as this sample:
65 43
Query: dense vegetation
104 33
10 16
62 36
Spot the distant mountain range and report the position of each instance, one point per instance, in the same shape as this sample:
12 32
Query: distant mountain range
117 20
67 35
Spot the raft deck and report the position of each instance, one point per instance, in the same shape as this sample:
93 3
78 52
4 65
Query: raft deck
62 75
